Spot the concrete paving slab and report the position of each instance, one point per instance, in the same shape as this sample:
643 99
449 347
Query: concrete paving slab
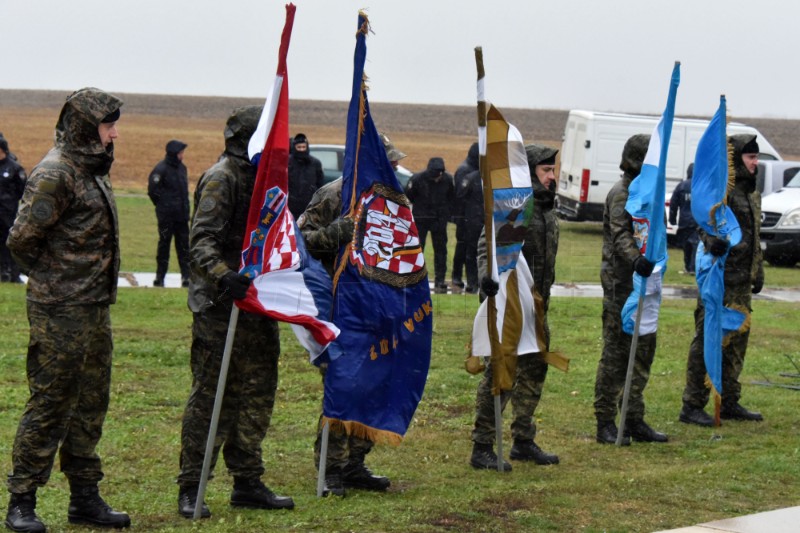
779 521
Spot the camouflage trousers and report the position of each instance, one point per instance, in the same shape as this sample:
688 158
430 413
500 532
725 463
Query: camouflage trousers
343 449
69 377
613 367
249 393
525 396
696 394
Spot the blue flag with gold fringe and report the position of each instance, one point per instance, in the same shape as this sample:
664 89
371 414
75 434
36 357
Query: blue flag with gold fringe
382 304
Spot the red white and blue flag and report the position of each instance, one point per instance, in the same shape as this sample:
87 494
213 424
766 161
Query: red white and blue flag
288 284
379 364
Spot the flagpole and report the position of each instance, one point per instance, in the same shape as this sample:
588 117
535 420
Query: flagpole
629 375
488 205
212 430
323 457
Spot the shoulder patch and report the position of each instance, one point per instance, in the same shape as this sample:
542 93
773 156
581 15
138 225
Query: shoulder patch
207 204
42 209
156 178
46 185
617 211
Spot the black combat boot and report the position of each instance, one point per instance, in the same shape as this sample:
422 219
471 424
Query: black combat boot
21 513
695 415
357 475
607 433
638 430
483 456
87 507
334 486
527 450
253 494
187 502
735 411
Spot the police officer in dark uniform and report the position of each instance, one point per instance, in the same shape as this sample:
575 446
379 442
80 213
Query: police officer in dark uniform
432 192
305 175
12 184
66 239
469 195
680 214
222 202
168 189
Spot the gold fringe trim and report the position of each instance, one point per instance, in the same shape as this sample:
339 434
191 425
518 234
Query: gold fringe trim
743 328
357 429
717 401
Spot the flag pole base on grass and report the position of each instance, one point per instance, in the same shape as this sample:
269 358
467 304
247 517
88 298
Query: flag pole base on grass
623 414
498 429
323 457
212 430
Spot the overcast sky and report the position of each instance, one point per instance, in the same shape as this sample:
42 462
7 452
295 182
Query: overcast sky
588 54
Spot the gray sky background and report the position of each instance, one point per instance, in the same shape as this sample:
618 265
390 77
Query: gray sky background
564 54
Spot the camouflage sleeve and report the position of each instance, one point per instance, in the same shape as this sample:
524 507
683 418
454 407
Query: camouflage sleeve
321 236
47 195
621 227
210 225
758 256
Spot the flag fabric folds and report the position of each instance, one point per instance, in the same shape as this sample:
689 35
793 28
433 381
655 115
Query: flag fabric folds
645 204
379 364
505 325
288 284
710 182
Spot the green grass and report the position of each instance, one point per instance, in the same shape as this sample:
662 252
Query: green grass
700 475
578 254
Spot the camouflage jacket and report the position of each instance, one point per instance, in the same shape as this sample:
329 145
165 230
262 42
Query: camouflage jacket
541 241
222 202
619 246
66 235
323 241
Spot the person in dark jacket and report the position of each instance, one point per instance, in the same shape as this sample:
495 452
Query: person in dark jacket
432 192
680 214
305 176
12 184
744 276
168 188
469 220
66 239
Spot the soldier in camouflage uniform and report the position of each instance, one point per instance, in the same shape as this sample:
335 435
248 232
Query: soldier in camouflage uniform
222 201
325 232
621 257
539 250
744 276
66 239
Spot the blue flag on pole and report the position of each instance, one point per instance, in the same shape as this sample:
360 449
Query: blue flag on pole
709 193
646 206
382 305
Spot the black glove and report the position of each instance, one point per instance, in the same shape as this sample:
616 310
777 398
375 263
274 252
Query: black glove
643 266
235 284
758 284
489 286
717 247
343 228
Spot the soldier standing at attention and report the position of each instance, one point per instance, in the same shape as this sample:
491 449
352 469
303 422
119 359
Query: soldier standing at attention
744 276
222 201
621 258
66 240
168 189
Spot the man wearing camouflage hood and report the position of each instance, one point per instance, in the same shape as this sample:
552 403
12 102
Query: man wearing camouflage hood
539 250
222 201
744 276
66 239
621 258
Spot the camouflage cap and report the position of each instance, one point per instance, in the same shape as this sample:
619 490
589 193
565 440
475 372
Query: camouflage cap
633 154
239 128
539 154
391 152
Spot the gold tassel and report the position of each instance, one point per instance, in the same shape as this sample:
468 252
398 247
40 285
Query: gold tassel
717 401
357 429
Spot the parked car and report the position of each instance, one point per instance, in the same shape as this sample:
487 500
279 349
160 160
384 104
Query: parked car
332 158
780 225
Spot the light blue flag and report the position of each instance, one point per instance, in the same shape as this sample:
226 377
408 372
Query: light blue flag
709 189
646 206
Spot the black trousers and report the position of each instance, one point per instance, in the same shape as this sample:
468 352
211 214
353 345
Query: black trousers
166 230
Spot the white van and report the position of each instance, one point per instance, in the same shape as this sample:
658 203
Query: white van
592 150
